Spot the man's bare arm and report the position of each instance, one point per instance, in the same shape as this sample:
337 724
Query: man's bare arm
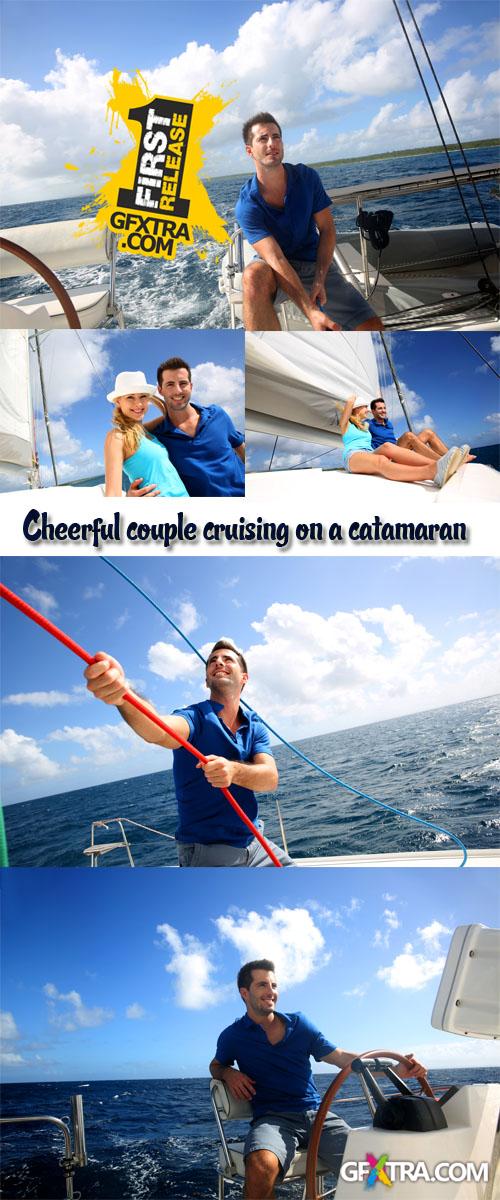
270 251
106 680
326 247
240 451
343 1058
240 1085
260 775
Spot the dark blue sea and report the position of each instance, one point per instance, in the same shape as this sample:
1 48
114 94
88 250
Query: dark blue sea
441 765
185 293
145 1137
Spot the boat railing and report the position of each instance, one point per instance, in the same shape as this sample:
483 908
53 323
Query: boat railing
97 849
75 1152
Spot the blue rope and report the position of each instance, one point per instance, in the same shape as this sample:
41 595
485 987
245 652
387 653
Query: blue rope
295 750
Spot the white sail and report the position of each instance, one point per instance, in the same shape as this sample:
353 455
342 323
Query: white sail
297 383
16 428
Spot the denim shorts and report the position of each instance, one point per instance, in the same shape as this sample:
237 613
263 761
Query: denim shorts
285 1133
344 304
347 455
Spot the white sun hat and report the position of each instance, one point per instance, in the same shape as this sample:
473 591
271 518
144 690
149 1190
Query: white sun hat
129 383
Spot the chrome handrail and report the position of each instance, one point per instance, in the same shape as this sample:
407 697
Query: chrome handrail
72 1158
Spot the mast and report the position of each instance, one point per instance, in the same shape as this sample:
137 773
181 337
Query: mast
396 380
44 402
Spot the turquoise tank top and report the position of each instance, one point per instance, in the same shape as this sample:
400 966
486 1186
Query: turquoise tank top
151 463
356 439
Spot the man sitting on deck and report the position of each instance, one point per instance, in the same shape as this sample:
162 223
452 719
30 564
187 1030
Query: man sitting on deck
426 442
236 744
285 214
273 1053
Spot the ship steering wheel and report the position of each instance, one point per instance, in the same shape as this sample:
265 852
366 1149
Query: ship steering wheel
54 283
331 1092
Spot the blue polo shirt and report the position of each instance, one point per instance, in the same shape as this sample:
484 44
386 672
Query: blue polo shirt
381 432
204 813
282 1073
206 462
293 226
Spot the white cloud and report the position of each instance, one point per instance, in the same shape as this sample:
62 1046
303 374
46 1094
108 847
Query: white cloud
8 1028
73 1014
349 664
358 992
411 971
307 84
495 344
45 601
171 663
215 384
73 361
102 743
391 918
25 755
186 616
122 619
493 419
432 934
193 967
288 936
135 1012
40 699
10 1058
94 593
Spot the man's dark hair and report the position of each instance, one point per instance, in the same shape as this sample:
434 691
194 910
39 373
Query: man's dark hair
227 644
245 972
172 364
260 118
377 400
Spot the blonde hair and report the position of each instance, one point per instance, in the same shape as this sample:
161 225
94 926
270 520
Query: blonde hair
132 432
360 424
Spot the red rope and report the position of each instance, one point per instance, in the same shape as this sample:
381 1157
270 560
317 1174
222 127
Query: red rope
49 627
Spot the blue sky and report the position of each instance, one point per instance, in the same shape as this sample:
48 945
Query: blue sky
337 74
80 368
341 643
447 387
147 982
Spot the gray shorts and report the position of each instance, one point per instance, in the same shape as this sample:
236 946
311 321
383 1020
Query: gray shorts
220 854
344 304
285 1133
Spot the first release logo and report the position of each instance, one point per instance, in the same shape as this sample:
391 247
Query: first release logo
156 201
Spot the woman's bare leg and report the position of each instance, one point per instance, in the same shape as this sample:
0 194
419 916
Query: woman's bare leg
408 458
362 463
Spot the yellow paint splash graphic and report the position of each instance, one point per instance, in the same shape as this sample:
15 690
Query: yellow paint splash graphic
156 201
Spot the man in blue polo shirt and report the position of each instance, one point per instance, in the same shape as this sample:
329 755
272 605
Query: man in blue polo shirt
285 214
202 442
425 442
236 744
273 1052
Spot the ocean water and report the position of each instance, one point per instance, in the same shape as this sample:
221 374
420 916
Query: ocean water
185 292
145 1138
151 1138
441 765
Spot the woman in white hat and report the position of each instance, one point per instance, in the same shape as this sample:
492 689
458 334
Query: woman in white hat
130 448
390 461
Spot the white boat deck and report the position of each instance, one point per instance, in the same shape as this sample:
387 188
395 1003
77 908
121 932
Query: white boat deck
415 858
472 483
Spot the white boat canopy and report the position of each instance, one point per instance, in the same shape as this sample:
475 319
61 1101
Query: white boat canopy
16 432
297 383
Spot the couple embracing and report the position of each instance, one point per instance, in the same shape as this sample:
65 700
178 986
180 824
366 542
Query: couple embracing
189 450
